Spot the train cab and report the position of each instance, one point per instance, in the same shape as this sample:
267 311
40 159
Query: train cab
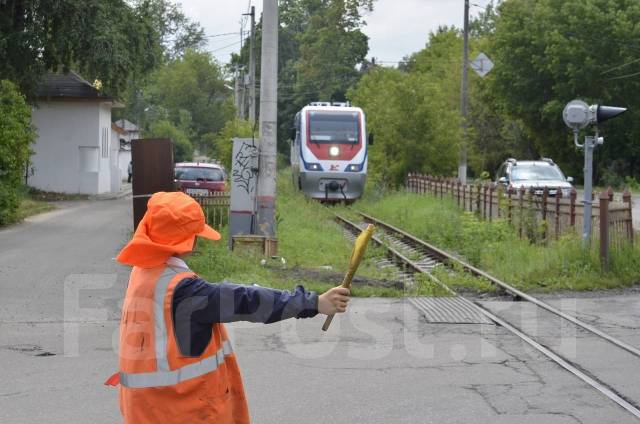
329 151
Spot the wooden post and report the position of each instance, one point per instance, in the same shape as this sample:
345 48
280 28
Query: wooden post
604 230
626 198
521 193
492 189
545 202
484 201
557 217
572 207
478 200
458 190
464 197
509 205
499 199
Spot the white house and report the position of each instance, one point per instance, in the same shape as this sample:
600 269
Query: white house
127 131
73 152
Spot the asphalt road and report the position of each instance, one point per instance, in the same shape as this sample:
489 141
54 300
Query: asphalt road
60 292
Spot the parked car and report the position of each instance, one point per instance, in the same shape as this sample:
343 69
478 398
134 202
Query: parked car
534 175
199 179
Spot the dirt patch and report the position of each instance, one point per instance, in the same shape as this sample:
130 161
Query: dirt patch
336 278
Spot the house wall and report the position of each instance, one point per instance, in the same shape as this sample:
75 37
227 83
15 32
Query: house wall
114 168
123 161
70 155
104 179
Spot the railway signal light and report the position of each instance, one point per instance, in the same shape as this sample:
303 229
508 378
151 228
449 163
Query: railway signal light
578 115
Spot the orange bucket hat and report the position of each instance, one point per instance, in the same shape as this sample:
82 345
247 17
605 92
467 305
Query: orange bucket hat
169 227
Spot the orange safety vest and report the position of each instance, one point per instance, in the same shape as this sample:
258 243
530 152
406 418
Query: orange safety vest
157 383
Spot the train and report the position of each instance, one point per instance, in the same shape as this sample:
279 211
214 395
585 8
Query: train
329 151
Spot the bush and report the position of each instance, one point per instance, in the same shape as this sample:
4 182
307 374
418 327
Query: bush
16 135
235 128
182 147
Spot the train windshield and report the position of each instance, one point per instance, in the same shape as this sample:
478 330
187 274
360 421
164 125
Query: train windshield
334 128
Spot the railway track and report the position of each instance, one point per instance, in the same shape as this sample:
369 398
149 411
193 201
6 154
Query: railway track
419 257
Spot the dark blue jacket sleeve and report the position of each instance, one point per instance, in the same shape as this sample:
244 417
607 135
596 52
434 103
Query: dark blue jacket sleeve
206 303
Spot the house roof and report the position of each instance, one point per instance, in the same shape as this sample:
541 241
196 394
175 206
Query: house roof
126 125
68 86
117 129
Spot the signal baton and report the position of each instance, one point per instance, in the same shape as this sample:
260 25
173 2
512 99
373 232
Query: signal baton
357 254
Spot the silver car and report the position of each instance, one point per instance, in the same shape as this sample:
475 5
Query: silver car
534 176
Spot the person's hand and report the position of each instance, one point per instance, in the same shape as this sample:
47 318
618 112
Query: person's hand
333 301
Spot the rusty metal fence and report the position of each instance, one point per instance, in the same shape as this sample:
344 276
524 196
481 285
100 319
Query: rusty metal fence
536 216
216 208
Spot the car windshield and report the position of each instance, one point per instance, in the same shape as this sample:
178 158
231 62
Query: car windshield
536 172
334 128
197 173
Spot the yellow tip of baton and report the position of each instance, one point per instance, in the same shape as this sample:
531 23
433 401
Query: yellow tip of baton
359 248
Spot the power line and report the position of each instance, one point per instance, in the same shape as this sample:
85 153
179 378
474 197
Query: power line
222 35
225 47
620 66
624 76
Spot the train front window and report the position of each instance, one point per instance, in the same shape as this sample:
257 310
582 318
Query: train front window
334 128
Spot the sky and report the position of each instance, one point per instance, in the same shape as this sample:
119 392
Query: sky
396 28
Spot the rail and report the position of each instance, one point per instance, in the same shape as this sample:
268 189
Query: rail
450 260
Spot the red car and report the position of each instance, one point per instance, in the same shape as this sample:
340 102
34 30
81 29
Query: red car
199 179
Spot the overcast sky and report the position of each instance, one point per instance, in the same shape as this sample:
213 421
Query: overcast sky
396 28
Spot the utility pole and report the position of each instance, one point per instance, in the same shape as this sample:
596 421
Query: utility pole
464 98
237 92
252 67
266 196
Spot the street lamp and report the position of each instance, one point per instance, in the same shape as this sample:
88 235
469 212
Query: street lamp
578 115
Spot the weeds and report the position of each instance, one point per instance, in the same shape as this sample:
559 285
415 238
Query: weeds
496 247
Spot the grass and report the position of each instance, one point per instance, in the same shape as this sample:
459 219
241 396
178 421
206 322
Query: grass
317 252
314 247
496 248
30 207
31 203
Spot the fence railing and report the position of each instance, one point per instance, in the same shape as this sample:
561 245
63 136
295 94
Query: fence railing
543 215
216 208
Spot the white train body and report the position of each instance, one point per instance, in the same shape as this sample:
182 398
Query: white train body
329 152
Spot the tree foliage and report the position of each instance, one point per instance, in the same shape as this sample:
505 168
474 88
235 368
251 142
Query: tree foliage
412 113
16 135
115 41
235 128
190 93
321 46
182 148
548 52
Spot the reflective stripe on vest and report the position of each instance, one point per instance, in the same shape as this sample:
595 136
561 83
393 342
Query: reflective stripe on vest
164 376
170 378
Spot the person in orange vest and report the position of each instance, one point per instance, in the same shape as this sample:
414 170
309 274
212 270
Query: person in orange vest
177 363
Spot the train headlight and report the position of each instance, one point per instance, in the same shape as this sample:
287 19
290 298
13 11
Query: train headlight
334 151
354 167
313 167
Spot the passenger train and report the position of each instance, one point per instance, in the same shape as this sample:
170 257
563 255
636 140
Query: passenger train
329 151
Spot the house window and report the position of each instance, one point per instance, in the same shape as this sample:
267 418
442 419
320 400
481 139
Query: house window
89 161
105 142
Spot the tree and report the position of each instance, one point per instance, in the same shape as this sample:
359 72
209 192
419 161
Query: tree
116 41
235 128
182 148
321 46
16 135
549 52
416 130
190 93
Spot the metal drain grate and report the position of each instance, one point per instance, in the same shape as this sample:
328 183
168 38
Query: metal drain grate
448 310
